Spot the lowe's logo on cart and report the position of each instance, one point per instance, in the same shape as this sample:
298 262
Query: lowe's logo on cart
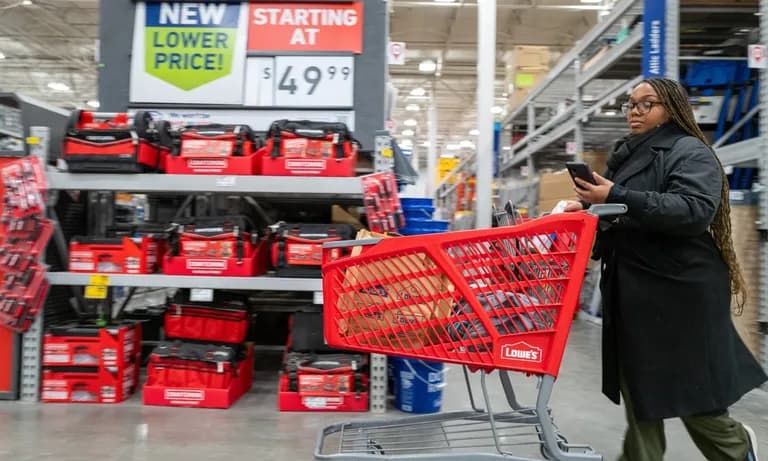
190 44
521 351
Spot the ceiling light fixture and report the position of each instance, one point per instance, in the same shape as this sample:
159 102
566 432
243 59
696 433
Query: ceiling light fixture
412 107
93 103
410 122
26 2
418 91
506 148
610 113
425 144
58 86
406 143
2 56
408 133
591 1
603 13
497 109
474 132
466 144
453 147
427 66
444 1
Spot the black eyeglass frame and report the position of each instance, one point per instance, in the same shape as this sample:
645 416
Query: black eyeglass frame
644 106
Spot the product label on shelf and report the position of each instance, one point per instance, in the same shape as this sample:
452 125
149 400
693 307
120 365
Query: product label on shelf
206 148
306 27
189 53
92 292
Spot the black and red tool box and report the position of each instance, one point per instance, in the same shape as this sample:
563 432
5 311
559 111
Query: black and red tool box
89 384
116 255
323 382
99 142
224 320
198 375
297 249
214 149
305 148
84 345
222 245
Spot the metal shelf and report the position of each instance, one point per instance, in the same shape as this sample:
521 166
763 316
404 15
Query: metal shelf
227 184
614 55
739 153
185 281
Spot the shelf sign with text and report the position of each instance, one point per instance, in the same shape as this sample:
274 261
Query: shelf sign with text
654 38
320 27
189 53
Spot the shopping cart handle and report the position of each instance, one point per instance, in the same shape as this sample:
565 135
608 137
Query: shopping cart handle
608 209
351 243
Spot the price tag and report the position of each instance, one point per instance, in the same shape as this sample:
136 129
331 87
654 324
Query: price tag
386 153
314 81
318 297
33 140
95 292
226 181
202 295
98 280
260 82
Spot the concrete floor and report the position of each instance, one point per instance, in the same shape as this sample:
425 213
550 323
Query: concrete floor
254 430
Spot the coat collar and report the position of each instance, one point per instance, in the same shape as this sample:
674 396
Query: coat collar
638 161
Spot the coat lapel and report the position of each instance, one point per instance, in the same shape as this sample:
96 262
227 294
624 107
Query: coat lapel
634 164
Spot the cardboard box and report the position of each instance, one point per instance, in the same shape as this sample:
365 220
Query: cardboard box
529 57
596 57
554 187
598 161
746 242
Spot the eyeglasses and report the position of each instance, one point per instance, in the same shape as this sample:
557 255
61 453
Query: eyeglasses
642 107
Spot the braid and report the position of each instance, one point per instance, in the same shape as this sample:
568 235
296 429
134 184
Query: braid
675 99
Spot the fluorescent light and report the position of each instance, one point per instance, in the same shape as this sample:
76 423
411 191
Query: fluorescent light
93 103
428 66
467 144
408 133
418 91
410 122
474 132
591 1
610 113
497 109
603 13
406 143
744 30
412 107
453 147
506 148
444 1
26 2
2 56
425 144
58 86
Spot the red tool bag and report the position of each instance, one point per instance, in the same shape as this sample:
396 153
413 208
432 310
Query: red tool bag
327 374
304 148
215 140
187 365
214 237
298 248
117 255
98 142
224 320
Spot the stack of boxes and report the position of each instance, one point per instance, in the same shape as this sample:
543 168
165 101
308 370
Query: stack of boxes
207 362
526 67
90 364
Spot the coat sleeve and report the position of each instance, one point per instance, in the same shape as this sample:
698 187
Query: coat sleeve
691 197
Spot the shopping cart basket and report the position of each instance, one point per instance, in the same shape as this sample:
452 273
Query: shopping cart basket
489 299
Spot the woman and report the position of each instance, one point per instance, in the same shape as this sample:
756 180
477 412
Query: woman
669 270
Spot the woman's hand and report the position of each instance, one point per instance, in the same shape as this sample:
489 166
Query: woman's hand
573 205
593 193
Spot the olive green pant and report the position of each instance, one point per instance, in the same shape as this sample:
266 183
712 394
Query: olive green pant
718 437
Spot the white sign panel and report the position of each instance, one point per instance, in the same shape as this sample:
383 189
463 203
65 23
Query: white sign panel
570 148
396 53
757 57
259 120
314 81
260 82
189 53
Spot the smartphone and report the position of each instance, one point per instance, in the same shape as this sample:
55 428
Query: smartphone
580 170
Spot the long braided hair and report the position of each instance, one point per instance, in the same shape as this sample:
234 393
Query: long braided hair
675 99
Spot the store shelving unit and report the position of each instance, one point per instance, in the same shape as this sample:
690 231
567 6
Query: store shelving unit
188 281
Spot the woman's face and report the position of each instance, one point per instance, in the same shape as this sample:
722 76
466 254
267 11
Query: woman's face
644 110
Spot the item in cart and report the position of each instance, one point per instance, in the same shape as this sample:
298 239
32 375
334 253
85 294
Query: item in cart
97 142
305 148
224 320
215 149
297 250
197 375
88 384
118 255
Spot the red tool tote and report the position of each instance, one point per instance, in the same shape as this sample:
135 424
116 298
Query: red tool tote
98 142
178 364
304 148
214 149
297 250
224 320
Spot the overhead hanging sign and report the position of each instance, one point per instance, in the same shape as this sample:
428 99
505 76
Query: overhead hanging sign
322 27
654 38
189 53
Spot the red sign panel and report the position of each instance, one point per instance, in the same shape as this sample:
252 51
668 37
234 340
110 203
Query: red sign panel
306 27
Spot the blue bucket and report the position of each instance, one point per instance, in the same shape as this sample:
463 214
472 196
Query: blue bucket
416 203
418 385
424 226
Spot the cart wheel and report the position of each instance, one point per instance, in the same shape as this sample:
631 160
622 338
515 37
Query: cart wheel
374 448
142 122
72 122
562 443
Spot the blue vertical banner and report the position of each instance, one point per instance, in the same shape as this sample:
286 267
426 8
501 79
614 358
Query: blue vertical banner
654 38
496 147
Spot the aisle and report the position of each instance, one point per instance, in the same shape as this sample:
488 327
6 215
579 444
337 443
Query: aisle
254 430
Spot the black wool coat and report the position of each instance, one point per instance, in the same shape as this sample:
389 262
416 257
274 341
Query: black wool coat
667 328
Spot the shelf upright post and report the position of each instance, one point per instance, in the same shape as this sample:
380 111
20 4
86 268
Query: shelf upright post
672 44
578 136
486 75
763 208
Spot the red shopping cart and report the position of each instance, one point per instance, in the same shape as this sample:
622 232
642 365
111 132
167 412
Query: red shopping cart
488 299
